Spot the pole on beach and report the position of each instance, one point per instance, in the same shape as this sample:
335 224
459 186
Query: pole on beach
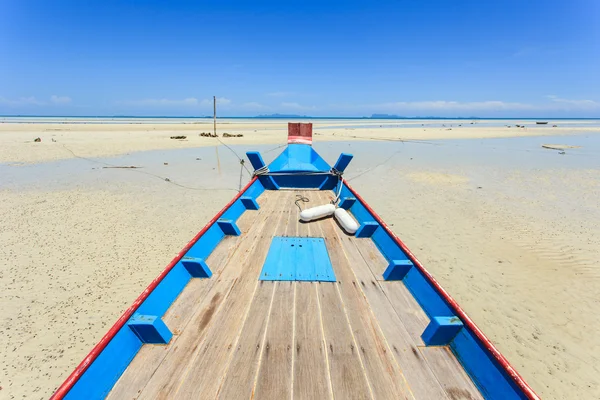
215 132
215 115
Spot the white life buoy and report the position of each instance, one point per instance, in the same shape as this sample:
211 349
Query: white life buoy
346 221
317 212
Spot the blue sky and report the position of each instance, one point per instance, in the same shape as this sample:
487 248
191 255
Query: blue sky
339 58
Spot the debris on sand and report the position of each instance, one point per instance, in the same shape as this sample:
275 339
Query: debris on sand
208 134
232 135
179 137
124 167
559 146
37 139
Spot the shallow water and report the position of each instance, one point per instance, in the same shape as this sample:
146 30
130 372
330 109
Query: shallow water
219 168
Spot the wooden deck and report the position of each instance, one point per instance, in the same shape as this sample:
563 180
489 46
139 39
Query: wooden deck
236 337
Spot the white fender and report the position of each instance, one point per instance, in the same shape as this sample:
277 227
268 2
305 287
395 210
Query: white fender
346 220
317 212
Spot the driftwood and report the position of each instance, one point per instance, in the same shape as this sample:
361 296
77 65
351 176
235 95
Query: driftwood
37 139
178 137
232 135
208 134
559 146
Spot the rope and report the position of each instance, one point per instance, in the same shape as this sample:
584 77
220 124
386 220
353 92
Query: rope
236 154
241 171
300 198
165 179
261 171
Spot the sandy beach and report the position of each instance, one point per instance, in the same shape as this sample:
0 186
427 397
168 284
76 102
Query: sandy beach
510 229
90 138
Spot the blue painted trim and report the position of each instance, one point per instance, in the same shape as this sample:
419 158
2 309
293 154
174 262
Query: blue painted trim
103 373
196 267
367 229
397 270
490 378
229 227
441 331
343 161
150 329
346 202
99 378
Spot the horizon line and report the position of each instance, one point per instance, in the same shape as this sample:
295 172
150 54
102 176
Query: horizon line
283 116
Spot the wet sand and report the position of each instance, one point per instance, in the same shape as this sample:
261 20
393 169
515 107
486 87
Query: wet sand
511 230
91 138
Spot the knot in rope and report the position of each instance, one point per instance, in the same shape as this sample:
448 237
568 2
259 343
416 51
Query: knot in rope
261 171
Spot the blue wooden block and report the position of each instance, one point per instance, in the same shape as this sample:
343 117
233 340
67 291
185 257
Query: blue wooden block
249 202
367 229
150 329
347 202
441 331
255 159
229 227
397 270
196 267
343 162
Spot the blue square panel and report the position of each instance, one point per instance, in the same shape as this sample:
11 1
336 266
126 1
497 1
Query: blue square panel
297 259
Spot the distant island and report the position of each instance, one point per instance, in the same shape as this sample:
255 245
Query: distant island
386 116
282 116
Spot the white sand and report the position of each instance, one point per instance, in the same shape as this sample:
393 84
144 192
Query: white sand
521 254
94 139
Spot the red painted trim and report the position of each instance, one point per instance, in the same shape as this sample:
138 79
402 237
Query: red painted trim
518 379
89 359
299 140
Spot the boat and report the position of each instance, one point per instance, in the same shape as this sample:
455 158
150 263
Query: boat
541 122
267 303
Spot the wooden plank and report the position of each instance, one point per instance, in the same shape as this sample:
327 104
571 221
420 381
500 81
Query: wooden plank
410 312
420 379
203 377
166 379
450 373
311 376
304 227
441 360
144 365
274 380
291 223
348 380
372 256
382 371
238 382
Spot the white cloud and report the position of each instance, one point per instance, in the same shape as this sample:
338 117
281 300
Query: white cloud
220 100
190 101
60 99
254 106
297 107
575 104
443 105
280 94
21 101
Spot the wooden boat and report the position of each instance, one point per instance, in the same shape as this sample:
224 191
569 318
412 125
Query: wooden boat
260 305
541 122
